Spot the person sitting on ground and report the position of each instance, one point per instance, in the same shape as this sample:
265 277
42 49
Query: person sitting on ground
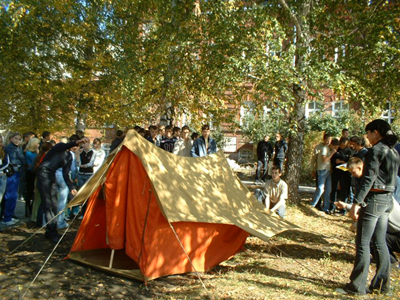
275 193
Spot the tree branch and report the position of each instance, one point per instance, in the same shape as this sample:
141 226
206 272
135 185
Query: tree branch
293 17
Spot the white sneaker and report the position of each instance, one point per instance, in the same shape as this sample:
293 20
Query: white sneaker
9 223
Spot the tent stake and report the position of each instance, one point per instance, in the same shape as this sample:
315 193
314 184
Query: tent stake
111 258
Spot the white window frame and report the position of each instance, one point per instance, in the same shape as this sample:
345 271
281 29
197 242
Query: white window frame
388 114
315 110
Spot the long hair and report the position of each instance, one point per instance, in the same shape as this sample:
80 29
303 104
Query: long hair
32 145
384 129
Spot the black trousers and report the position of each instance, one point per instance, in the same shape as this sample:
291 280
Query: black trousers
30 177
47 186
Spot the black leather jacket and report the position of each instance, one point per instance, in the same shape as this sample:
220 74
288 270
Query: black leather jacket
380 171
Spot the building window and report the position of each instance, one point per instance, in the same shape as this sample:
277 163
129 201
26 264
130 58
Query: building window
312 108
388 113
339 106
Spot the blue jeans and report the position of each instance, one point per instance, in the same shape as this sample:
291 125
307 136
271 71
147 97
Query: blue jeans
262 165
324 187
396 193
260 196
63 192
11 196
372 226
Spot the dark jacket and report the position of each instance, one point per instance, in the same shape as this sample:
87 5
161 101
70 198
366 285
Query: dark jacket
59 157
380 170
16 156
264 150
115 143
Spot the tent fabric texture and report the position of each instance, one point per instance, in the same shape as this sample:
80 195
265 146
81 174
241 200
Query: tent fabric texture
151 213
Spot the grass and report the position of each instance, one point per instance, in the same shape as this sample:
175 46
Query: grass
299 264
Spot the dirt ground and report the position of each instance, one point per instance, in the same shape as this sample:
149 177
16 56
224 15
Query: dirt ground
59 279
299 264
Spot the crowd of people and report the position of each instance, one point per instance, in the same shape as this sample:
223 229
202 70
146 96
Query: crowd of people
47 174
362 177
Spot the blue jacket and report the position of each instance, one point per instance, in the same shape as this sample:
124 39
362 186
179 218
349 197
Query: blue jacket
199 147
16 156
380 171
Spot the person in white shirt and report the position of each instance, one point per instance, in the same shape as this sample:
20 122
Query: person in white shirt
275 193
184 144
99 154
321 168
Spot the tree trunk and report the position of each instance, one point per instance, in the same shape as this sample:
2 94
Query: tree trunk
295 153
297 116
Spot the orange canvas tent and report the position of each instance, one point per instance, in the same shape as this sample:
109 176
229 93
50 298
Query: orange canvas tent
151 213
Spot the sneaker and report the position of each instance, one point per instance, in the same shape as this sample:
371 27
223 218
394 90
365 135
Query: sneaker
9 223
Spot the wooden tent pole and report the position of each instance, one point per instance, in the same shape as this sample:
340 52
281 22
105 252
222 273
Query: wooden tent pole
111 258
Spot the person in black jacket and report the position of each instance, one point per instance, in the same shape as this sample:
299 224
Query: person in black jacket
57 157
118 140
264 153
371 208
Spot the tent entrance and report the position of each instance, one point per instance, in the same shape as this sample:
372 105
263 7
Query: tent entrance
122 264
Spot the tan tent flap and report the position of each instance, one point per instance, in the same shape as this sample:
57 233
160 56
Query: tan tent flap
195 189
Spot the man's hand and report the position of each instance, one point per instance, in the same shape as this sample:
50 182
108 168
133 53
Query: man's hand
85 140
266 211
354 212
73 192
340 205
